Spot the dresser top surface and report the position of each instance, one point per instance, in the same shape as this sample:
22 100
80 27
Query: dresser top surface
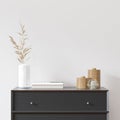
59 89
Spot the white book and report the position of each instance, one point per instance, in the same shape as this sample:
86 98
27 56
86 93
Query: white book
53 87
47 84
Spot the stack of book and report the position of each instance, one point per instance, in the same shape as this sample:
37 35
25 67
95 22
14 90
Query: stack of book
47 85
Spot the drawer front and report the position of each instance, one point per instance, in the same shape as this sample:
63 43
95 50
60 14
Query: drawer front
59 117
59 101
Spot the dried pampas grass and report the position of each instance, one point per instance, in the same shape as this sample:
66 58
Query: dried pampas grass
20 49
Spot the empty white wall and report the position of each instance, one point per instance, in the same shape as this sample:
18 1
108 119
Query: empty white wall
68 37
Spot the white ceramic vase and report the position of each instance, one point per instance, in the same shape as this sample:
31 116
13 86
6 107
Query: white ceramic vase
24 76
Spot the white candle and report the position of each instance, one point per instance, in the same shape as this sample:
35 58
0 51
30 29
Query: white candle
23 75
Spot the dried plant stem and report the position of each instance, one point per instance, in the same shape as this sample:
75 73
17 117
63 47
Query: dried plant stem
20 48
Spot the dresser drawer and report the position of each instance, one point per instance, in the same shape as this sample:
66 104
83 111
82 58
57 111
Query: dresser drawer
59 101
59 117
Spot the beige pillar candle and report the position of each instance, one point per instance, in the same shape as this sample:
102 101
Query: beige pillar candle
81 82
94 74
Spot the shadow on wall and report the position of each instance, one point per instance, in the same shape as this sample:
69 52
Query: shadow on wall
113 84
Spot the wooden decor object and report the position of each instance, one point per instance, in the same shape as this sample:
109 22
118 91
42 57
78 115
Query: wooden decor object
94 74
81 83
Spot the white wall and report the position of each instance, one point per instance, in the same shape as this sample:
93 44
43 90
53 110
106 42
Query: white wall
68 37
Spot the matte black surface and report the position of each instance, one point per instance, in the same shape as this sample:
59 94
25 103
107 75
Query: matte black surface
59 101
60 117
59 104
60 89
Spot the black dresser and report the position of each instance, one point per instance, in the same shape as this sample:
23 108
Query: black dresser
59 104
